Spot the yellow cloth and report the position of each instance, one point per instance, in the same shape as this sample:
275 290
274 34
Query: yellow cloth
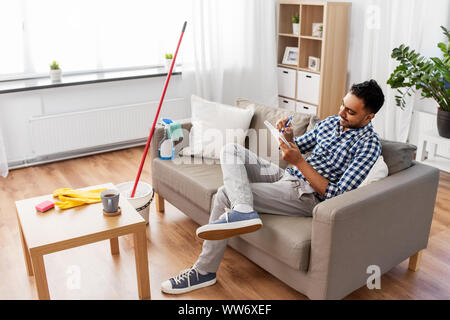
69 198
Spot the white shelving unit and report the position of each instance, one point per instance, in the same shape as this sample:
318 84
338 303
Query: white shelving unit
301 88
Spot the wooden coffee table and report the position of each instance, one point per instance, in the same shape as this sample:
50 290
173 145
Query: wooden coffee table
56 230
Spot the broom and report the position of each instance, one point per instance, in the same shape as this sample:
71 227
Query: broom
169 74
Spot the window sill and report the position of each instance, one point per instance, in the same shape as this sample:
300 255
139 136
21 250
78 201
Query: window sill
82 79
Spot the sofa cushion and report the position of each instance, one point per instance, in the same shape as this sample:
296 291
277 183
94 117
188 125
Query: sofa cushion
214 125
397 155
196 179
287 239
301 123
379 171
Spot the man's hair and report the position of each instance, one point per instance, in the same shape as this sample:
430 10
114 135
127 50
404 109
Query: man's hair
371 93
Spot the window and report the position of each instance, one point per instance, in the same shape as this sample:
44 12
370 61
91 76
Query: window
86 35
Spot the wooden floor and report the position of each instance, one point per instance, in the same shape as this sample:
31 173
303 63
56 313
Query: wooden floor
172 246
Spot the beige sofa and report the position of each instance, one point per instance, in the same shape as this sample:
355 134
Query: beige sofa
326 256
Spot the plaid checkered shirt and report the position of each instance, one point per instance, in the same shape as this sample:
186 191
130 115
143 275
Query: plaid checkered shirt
343 158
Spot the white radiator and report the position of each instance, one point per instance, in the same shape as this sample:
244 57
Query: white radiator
98 127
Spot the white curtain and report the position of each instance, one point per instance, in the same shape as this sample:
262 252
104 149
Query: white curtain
233 50
385 25
3 159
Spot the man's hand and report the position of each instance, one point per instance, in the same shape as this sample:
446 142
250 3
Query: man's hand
294 157
288 132
292 154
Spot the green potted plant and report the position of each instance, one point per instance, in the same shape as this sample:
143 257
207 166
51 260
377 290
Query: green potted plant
296 24
431 76
55 72
169 58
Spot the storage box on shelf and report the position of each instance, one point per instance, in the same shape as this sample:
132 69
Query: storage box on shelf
305 108
295 106
320 90
288 104
286 82
308 86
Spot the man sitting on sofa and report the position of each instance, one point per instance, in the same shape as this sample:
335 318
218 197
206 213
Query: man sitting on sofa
344 149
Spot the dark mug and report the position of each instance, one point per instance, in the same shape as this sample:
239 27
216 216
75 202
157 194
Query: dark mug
110 200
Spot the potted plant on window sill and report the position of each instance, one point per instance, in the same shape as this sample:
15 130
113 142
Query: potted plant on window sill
169 58
296 24
432 76
55 72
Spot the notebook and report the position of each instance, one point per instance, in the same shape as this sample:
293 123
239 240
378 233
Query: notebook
276 134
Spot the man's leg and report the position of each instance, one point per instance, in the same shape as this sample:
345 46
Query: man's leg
213 250
208 261
281 197
240 167
284 197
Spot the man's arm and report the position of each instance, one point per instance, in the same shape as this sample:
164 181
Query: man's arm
307 141
319 183
365 157
355 173
293 156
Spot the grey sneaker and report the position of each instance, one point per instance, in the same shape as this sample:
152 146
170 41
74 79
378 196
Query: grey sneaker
230 224
188 280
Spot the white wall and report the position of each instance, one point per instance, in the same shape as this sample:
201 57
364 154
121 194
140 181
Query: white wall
17 108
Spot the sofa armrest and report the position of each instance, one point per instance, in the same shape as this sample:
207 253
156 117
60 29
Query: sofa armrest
380 224
186 125
158 135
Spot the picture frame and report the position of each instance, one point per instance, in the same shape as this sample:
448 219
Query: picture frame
290 56
317 29
314 63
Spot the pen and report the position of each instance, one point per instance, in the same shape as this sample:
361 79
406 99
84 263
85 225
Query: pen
287 123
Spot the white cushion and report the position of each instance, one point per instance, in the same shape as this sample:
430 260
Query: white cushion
214 125
378 172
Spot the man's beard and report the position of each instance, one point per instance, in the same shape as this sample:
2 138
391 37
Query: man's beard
345 124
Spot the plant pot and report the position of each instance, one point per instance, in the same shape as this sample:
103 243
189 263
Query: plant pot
168 64
55 75
296 28
443 123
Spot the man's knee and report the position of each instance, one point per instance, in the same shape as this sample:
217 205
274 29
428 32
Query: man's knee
230 148
231 151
